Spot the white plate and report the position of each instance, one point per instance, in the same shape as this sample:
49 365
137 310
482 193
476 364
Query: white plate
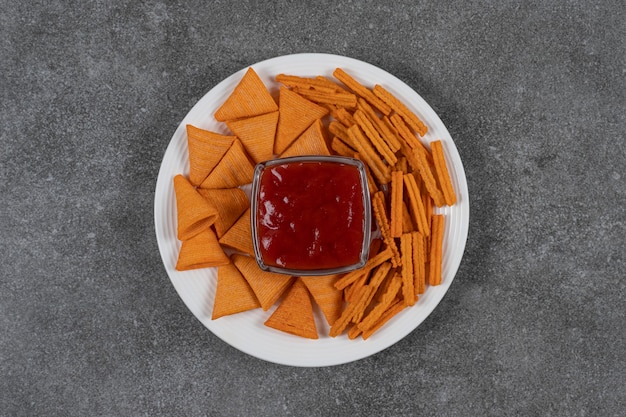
246 331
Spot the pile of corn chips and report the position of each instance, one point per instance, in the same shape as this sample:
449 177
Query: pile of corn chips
315 116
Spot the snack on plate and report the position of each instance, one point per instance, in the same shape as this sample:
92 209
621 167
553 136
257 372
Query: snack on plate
419 262
233 293
311 142
195 214
256 134
396 216
206 149
239 236
229 203
326 296
442 173
407 180
249 98
233 170
267 286
296 114
295 313
201 251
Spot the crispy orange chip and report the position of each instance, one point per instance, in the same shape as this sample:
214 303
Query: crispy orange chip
441 170
354 332
239 236
405 133
426 175
408 279
257 134
371 184
393 310
355 310
326 296
206 148
311 142
319 82
296 114
436 246
344 116
233 294
366 297
294 314
361 90
339 130
344 319
419 262
349 293
380 212
428 203
267 286
201 251
249 98
382 288
379 169
372 263
375 139
416 204
230 203
407 221
233 170
193 212
340 148
388 297
396 215
389 135
325 96
428 185
411 118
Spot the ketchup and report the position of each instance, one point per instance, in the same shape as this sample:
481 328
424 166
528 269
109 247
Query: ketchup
310 215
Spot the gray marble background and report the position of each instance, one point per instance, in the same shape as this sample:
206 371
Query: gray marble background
533 94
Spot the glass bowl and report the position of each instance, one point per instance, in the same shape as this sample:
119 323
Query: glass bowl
311 215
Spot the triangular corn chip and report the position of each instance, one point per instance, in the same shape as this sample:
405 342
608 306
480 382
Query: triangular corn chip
230 203
239 236
233 170
311 142
206 148
294 314
193 212
249 98
257 134
233 294
296 114
201 251
326 296
267 286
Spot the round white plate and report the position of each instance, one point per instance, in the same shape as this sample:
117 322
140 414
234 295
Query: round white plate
246 331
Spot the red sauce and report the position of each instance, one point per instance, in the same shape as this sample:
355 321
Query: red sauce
310 215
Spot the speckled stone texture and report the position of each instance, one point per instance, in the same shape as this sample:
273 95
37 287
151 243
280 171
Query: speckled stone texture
533 93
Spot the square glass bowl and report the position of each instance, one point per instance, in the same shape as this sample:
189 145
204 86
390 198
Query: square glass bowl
311 215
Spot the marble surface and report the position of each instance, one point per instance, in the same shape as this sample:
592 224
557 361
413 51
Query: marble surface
533 94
